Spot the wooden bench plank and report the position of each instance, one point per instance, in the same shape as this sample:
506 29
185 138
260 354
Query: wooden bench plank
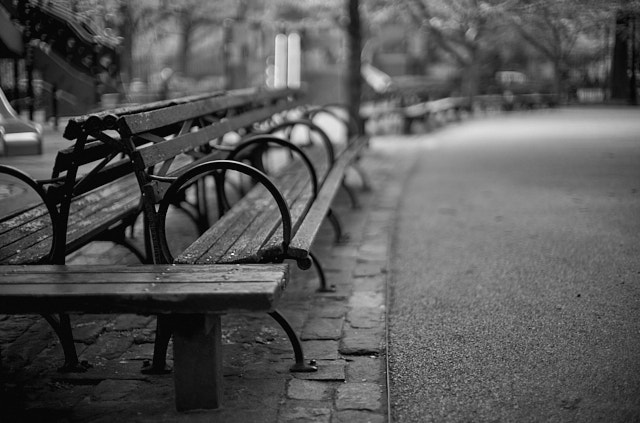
29 239
141 289
240 233
249 247
299 207
23 217
301 243
294 182
194 296
153 154
145 120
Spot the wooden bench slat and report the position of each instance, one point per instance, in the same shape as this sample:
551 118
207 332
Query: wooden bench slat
153 154
145 289
22 217
95 219
225 227
250 231
75 125
26 224
146 120
92 151
250 245
301 243
295 185
29 242
298 206
255 210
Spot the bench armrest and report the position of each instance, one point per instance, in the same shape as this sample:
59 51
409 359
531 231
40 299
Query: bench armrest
270 139
219 167
38 188
289 125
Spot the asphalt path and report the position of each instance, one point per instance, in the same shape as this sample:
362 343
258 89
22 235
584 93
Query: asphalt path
515 275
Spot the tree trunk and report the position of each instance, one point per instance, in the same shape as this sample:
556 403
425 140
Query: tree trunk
126 32
633 83
471 82
354 78
620 59
185 30
558 79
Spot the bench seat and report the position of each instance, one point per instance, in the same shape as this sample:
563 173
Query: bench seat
192 296
140 289
251 231
25 237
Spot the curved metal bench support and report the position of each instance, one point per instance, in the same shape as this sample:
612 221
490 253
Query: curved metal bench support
326 141
270 139
219 167
300 366
353 198
321 275
364 180
51 208
349 122
62 324
340 236
164 330
352 128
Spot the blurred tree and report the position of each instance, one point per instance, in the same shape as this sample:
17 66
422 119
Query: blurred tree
354 78
624 60
554 29
191 15
464 29
133 19
126 19
564 32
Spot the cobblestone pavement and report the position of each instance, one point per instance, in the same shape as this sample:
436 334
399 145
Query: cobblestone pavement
344 331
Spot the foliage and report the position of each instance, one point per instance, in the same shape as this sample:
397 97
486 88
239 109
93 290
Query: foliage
477 36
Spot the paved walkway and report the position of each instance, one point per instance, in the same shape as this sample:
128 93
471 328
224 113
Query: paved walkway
344 331
515 293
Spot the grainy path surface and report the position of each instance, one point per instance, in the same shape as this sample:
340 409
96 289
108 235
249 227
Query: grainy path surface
515 284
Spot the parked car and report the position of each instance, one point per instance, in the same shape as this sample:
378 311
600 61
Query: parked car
17 136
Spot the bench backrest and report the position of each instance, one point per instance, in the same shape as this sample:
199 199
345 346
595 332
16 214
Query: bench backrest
165 140
88 191
155 139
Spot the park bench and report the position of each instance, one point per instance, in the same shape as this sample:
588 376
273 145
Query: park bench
276 220
173 149
92 195
435 113
429 113
194 296
70 212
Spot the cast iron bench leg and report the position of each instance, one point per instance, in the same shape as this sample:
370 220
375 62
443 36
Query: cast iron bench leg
300 365
355 204
366 185
164 330
62 326
323 279
341 237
